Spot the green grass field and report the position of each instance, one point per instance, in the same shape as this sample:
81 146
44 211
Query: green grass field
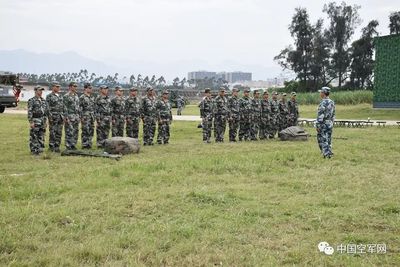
263 203
360 111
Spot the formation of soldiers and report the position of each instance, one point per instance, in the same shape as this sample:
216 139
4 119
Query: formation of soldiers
249 118
103 113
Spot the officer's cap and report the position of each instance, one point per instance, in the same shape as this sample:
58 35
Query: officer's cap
55 83
74 84
104 87
207 90
38 88
246 90
222 89
325 90
133 89
294 94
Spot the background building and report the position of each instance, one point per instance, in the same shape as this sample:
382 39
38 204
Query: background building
238 76
201 75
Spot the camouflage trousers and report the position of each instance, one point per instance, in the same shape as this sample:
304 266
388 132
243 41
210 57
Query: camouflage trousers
274 126
244 128
149 128
163 131
324 137
71 131
132 126
265 128
56 123
255 128
87 126
233 128
292 121
179 111
206 127
36 135
219 128
283 122
103 129
117 125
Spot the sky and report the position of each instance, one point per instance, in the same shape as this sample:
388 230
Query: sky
169 37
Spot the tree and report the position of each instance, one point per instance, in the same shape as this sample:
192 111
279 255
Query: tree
343 21
394 25
175 82
362 63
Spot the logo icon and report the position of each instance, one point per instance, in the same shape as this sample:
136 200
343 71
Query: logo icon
325 248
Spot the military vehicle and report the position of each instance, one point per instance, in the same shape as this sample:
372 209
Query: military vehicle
9 90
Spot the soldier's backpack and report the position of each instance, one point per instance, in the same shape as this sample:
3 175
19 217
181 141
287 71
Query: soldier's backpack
293 133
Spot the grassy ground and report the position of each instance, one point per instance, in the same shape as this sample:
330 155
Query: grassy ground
192 204
360 111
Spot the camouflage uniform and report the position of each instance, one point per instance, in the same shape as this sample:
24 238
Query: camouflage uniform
71 116
283 115
118 116
132 112
56 121
149 116
164 120
245 108
256 118
324 124
87 105
103 119
206 113
293 112
221 113
180 103
265 127
274 118
234 116
37 112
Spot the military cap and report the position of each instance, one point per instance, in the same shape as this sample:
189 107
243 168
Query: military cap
73 84
325 90
207 90
246 90
222 89
19 85
104 87
294 94
284 94
235 90
37 88
133 89
165 92
87 85
55 83
149 89
266 93
275 93
255 91
118 88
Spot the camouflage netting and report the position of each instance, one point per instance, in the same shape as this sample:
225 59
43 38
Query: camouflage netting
387 71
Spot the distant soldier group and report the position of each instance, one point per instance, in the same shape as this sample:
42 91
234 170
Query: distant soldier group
249 118
70 111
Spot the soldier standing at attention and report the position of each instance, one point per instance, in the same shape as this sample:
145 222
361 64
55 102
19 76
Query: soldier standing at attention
256 115
180 103
293 110
265 116
56 121
274 118
221 114
71 116
233 107
206 113
324 123
37 112
87 105
103 116
245 109
164 118
149 116
118 113
283 113
132 113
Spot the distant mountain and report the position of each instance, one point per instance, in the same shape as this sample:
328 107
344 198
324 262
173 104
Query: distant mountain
25 61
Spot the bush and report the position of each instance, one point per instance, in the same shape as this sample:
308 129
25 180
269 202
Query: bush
341 98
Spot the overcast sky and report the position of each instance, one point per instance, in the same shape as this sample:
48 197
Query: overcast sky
173 35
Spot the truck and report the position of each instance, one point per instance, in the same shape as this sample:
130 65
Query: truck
9 90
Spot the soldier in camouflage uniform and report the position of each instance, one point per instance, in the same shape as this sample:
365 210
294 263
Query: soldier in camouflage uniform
56 121
87 106
234 115
256 115
293 108
71 116
221 115
245 109
37 112
207 113
274 118
164 118
324 123
283 113
118 113
149 116
265 116
180 104
132 113
103 116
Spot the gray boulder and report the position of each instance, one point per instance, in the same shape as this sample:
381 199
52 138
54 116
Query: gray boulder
121 145
293 133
